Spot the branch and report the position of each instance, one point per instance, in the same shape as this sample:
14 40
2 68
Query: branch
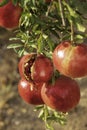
61 13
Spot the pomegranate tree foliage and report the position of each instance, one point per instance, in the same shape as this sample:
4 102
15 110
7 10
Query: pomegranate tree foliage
43 25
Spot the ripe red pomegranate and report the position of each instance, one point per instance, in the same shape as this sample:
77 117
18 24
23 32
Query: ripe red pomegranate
10 15
30 92
63 95
71 60
34 67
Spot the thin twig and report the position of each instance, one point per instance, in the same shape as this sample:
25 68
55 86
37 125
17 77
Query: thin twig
72 32
61 12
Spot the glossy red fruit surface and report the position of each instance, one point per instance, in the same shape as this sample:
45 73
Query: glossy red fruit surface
31 93
71 60
42 69
63 95
10 15
37 68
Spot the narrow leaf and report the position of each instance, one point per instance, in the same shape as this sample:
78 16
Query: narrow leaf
14 46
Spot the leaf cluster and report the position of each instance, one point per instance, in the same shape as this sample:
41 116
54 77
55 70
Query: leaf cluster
49 116
44 25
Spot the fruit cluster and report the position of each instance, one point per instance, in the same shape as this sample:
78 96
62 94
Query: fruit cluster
47 81
39 85
34 70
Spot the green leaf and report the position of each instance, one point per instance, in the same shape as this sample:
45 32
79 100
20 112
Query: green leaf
38 107
15 2
20 52
4 2
49 127
39 43
33 1
75 18
15 45
80 27
41 114
50 44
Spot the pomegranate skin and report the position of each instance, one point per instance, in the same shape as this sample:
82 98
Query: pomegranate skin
29 92
63 96
10 15
37 68
71 60
42 69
